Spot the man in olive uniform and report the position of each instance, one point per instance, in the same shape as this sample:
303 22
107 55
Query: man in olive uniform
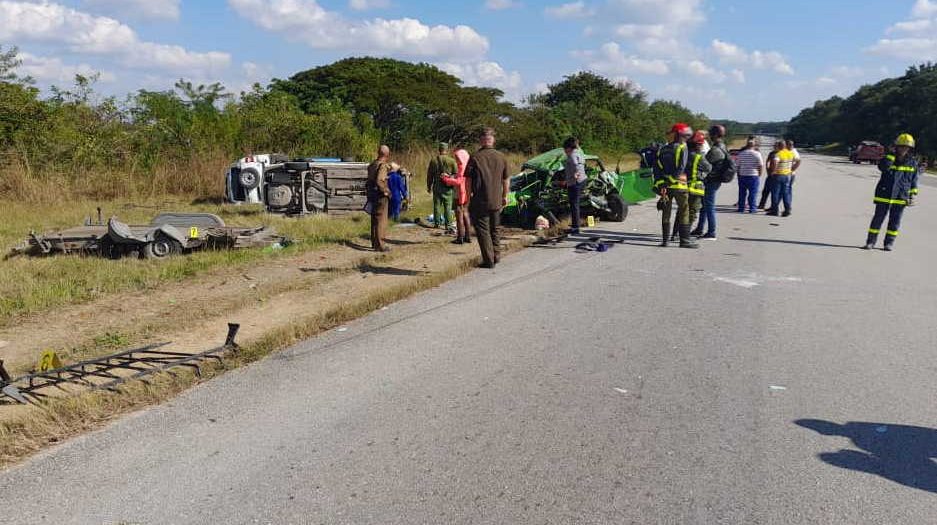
379 197
670 181
441 165
488 184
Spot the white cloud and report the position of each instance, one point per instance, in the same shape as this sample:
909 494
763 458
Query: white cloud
699 69
913 26
499 5
308 22
611 60
143 9
487 74
682 14
97 35
570 10
917 42
364 5
738 76
924 9
54 71
729 53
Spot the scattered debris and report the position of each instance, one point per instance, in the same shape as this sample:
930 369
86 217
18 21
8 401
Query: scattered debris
342 329
167 234
620 390
108 372
776 388
881 429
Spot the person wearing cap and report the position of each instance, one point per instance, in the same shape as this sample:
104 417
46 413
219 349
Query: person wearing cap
896 189
442 165
697 171
751 166
670 182
379 198
489 183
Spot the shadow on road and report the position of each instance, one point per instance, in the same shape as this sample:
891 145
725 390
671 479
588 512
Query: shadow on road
800 243
900 453
606 236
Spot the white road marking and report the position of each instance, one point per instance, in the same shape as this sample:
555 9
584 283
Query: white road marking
737 282
778 388
621 390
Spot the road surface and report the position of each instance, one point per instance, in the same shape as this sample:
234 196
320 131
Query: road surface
777 376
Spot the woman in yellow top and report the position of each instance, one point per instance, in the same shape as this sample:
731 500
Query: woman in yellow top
781 168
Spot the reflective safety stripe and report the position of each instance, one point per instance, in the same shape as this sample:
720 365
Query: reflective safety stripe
914 191
883 200
890 157
905 168
874 231
893 233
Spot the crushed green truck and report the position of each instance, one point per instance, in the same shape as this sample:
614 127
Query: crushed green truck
535 191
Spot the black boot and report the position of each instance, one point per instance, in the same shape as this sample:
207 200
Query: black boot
673 234
685 240
665 231
870 241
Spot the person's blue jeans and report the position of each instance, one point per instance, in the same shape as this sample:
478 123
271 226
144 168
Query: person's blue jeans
708 217
781 192
748 192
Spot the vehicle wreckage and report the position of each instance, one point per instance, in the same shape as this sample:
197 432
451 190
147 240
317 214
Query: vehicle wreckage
168 234
536 190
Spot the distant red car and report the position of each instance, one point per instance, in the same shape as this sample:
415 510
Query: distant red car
867 151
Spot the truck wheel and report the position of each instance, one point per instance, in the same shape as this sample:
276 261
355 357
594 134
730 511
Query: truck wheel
249 178
618 208
162 247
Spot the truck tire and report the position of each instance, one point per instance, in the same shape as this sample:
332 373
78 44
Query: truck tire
249 178
618 208
162 247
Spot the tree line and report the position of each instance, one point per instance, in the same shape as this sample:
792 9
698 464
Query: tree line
344 109
880 112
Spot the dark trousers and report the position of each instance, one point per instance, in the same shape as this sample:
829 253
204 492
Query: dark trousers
709 208
575 195
379 223
766 191
781 192
682 199
486 231
894 212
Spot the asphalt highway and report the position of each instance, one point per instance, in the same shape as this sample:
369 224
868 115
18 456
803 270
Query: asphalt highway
779 375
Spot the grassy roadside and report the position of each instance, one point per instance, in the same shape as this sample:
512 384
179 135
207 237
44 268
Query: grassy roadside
59 419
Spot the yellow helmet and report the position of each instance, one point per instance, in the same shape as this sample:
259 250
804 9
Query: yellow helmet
905 139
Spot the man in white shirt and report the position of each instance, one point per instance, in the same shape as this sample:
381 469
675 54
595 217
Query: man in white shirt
790 146
751 166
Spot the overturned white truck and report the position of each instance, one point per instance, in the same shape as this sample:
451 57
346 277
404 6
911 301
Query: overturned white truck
299 186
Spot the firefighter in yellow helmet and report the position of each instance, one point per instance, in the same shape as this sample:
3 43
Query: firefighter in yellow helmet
896 189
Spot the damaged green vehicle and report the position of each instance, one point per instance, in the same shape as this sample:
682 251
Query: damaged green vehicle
536 191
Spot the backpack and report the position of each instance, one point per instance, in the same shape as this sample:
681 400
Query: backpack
729 169
726 169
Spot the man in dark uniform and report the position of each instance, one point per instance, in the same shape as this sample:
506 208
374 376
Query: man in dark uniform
488 185
379 196
896 189
670 181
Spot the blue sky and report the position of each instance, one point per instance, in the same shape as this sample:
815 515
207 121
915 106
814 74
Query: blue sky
742 60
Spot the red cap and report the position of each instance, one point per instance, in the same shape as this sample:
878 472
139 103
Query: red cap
698 138
681 129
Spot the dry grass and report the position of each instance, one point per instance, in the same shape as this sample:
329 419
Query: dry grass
58 419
